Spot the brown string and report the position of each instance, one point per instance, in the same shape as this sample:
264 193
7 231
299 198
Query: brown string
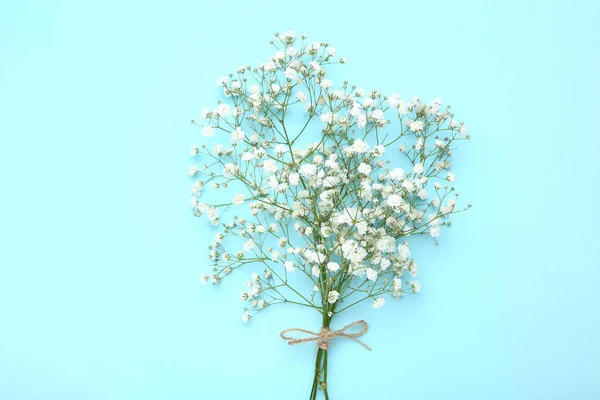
326 335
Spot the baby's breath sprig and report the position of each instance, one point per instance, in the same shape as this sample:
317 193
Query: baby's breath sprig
326 207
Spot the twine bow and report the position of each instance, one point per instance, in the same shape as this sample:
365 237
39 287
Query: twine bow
326 335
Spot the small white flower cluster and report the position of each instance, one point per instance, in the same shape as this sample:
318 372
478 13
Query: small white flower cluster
333 210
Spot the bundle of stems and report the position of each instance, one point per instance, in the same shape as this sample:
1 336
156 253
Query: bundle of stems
305 162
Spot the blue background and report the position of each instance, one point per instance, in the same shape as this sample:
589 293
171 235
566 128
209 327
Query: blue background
100 257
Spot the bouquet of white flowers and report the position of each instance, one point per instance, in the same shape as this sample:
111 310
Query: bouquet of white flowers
305 160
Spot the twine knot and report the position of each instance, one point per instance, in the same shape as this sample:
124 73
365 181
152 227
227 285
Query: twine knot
326 335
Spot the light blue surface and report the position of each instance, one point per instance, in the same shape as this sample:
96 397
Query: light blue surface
100 256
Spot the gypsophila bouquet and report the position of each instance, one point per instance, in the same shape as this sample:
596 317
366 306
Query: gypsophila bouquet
310 195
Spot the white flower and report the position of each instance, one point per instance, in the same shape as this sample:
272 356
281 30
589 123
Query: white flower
364 169
397 286
378 115
193 170
301 96
281 149
434 231
385 263
219 149
223 110
331 51
416 286
333 266
213 215
332 297
416 126
403 252
394 200
378 302
230 169
359 146
353 252
238 199
397 174
361 227
270 166
249 245
401 107
450 177
279 55
420 144
208 131
194 150
289 266
291 73
386 244
371 274
247 156
237 135
288 35
361 121
236 85
308 170
315 271
330 182
368 102
315 66
328 117
254 138
449 207
393 100
315 45
246 317
326 83
409 186
294 179
260 153
222 81
418 168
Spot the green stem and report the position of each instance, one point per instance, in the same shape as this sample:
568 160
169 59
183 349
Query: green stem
315 386
325 375
320 378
